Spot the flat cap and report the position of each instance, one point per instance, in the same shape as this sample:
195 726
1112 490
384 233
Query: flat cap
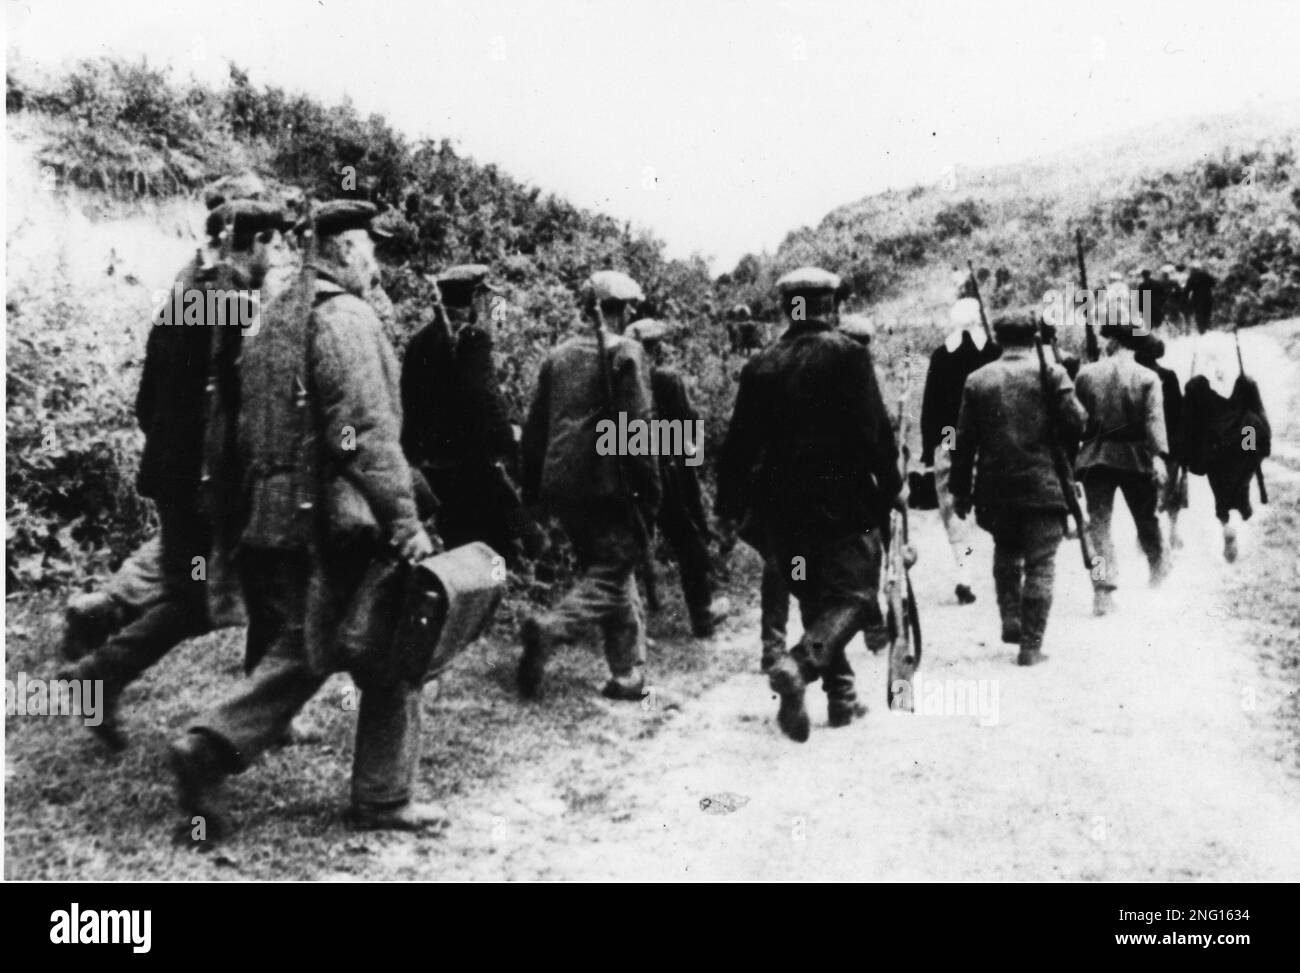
808 279
648 329
858 326
243 185
1149 348
341 215
614 285
458 285
247 217
1017 327
741 312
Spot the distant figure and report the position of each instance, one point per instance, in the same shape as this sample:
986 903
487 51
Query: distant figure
456 426
1151 298
1124 448
681 518
605 502
1226 434
1171 298
1115 310
810 419
745 333
1200 295
1003 469
1173 498
964 350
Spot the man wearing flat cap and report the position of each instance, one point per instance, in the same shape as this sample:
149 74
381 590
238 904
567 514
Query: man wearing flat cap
191 339
456 427
1125 448
327 492
1002 467
91 617
681 518
604 502
810 419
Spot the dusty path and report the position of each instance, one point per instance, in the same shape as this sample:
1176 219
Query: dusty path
1146 749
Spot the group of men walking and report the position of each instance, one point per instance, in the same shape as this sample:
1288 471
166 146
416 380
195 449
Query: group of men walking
288 469
290 462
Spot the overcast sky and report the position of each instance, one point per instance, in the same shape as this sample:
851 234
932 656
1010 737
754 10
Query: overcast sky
719 125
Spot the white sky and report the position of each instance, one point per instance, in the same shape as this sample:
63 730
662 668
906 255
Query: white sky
720 125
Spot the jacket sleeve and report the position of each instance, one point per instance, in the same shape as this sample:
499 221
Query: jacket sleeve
355 371
413 383
963 454
536 432
485 405
1153 409
1088 403
1071 411
740 450
876 432
930 431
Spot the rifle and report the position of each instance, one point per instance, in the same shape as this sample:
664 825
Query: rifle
1259 469
305 469
212 276
1089 335
1059 462
904 623
980 301
634 512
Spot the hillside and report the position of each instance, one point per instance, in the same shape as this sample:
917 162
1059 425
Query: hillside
107 164
1224 188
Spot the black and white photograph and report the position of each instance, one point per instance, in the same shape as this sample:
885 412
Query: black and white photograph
657 442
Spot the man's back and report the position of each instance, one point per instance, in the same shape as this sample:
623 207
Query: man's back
1126 427
560 435
451 399
810 406
1005 424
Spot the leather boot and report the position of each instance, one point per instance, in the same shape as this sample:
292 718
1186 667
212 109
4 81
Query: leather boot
792 715
200 768
532 665
88 620
109 731
412 816
1033 623
629 687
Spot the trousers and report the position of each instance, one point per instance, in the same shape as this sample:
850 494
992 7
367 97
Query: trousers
1025 543
836 579
388 716
1141 495
605 595
178 609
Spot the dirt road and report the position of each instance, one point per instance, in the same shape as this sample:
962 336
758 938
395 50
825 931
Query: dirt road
1146 749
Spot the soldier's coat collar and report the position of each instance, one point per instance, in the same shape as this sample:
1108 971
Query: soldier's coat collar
810 324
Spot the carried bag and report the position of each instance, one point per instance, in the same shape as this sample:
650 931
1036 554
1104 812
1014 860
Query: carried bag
408 622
